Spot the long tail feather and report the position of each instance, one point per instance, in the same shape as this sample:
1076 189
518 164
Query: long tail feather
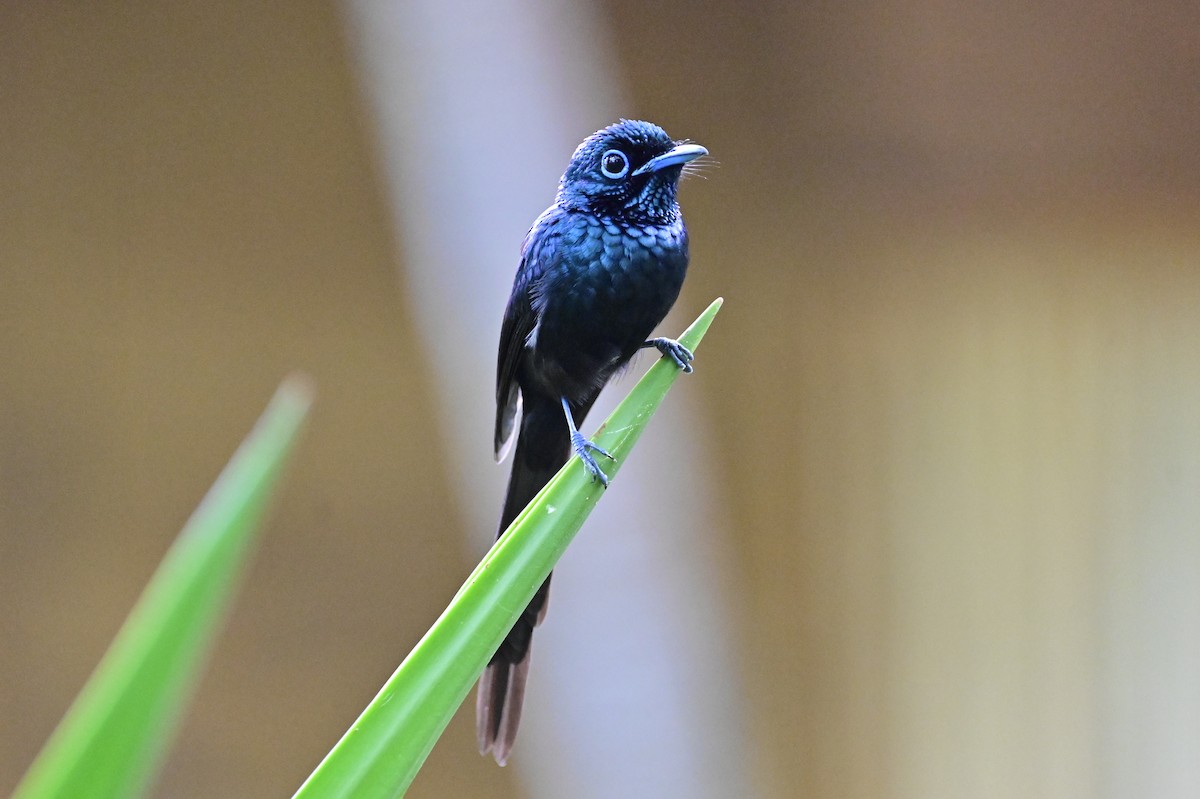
543 445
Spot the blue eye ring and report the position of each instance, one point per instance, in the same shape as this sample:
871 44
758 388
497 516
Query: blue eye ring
614 164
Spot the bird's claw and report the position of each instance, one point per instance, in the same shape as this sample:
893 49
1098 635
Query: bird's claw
584 449
678 353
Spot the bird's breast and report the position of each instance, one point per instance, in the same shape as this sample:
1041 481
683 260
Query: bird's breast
623 278
607 287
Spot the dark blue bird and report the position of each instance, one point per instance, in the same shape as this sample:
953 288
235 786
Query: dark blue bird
599 270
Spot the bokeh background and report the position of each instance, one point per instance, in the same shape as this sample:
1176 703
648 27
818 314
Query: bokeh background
941 532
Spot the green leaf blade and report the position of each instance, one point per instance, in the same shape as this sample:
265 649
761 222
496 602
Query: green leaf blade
381 753
114 736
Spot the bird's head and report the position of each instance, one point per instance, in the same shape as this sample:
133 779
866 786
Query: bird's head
629 170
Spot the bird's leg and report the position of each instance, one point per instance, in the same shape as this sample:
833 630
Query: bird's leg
672 349
584 448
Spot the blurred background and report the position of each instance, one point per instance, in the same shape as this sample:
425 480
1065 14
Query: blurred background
924 523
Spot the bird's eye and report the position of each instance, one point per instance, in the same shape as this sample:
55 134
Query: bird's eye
614 164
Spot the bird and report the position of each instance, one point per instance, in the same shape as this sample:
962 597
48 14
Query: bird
599 270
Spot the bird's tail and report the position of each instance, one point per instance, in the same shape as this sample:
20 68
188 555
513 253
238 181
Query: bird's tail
543 446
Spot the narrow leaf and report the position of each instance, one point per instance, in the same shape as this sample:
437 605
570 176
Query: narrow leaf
114 736
380 754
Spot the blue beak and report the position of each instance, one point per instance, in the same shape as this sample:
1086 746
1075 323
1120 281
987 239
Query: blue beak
677 156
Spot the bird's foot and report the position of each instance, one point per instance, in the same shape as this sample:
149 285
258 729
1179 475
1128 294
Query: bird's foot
670 348
584 449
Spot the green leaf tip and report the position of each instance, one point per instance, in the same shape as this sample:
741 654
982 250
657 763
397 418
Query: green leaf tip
622 429
114 736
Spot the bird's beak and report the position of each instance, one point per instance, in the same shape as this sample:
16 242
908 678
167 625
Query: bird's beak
678 155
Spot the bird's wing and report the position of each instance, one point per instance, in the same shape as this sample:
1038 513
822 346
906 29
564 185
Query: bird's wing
520 323
514 332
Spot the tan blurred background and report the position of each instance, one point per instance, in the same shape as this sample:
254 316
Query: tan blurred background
952 395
